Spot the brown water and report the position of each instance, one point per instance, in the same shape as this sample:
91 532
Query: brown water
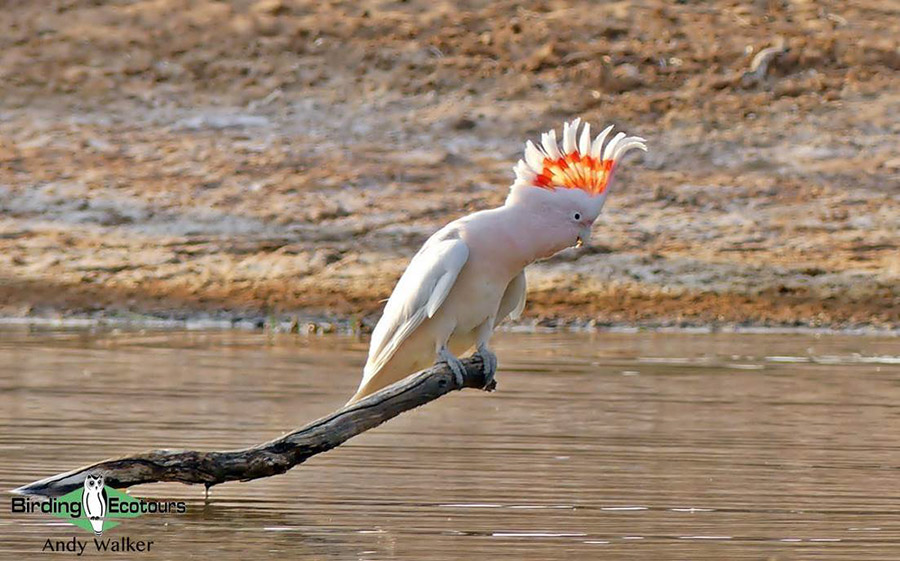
618 446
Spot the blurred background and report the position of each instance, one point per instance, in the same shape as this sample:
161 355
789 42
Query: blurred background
286 158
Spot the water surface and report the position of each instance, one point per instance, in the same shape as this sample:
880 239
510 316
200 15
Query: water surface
607 445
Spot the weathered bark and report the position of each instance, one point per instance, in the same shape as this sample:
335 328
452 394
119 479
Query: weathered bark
273 457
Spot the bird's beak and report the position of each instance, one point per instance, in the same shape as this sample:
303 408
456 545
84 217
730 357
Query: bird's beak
584 236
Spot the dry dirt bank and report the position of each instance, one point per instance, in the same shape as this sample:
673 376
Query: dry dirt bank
255 157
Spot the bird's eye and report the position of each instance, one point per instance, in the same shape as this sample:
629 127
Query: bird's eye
577 216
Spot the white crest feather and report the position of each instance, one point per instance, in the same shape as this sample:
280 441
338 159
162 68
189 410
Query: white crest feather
548 141
597 146
523 170
584 145
610 148
569 134
627 144
533 156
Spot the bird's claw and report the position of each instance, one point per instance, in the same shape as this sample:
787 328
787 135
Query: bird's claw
456 366
489 362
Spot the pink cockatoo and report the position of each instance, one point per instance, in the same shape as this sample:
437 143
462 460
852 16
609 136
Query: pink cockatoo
470 275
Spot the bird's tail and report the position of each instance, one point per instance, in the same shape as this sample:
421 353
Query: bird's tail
356 397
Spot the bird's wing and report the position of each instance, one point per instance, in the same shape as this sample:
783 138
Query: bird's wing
419 293
513 301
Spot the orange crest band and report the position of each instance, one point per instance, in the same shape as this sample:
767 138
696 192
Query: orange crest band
575 172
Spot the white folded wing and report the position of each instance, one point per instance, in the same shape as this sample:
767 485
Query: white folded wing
418 295
513 302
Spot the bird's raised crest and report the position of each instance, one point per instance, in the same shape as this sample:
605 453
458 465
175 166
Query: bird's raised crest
581 163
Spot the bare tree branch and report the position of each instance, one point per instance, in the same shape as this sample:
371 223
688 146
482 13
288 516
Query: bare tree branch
273 457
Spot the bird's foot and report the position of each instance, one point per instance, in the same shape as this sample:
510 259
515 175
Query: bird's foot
489 361
456 366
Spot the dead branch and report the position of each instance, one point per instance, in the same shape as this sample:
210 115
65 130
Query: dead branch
273 457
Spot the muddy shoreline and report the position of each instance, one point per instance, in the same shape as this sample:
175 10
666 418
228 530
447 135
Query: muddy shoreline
318 325
152 165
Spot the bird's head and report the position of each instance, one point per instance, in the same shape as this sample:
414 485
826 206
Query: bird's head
568 185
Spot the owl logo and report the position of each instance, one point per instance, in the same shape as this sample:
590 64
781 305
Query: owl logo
94 501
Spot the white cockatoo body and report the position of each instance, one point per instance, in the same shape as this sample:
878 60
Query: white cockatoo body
469 276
